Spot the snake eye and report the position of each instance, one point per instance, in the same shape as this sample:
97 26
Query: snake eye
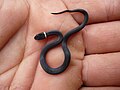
40 36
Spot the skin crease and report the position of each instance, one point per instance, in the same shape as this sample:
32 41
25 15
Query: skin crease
95 51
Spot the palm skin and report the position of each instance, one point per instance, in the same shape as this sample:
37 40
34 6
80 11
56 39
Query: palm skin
19 56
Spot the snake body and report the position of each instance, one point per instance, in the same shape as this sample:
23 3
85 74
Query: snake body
61 39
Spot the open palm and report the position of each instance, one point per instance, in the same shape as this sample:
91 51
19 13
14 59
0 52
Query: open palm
92 61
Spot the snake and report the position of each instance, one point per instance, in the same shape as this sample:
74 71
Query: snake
60 40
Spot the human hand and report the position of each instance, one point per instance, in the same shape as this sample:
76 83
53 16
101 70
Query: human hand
95 50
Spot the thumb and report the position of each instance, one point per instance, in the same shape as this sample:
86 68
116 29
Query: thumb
12 17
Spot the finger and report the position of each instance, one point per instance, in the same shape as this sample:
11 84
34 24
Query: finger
6 78
102 70
24 75
12 54
100 88
99 11
12 17
102 37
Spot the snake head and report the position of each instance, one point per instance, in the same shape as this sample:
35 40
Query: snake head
40 36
